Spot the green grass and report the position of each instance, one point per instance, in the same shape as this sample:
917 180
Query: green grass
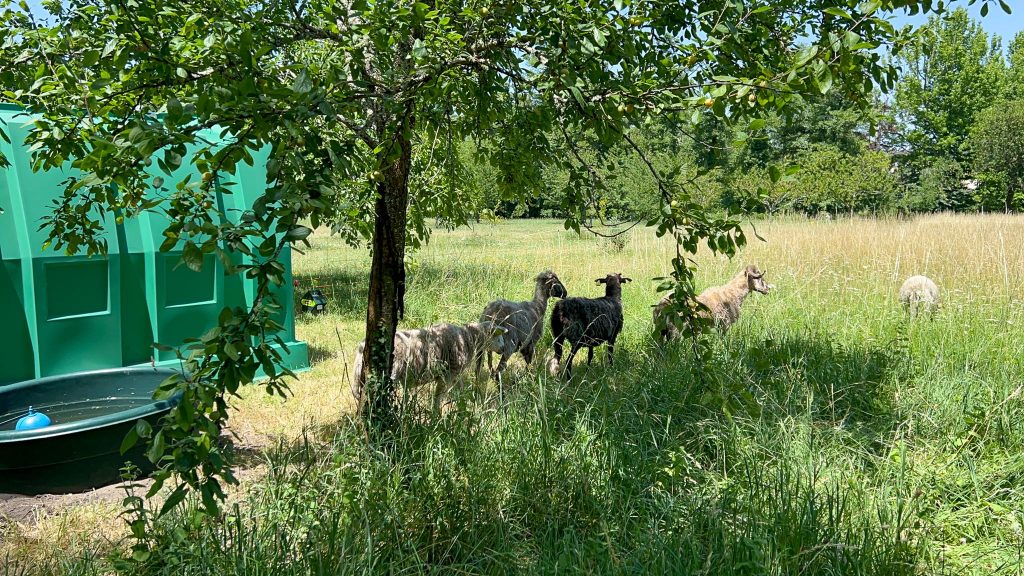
828 435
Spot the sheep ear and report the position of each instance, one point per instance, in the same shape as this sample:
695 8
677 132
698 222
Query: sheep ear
498 331
600 280
624 279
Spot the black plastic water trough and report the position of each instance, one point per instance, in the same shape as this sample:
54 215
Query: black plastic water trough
91 412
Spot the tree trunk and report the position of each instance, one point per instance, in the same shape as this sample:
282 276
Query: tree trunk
1011 191
386 301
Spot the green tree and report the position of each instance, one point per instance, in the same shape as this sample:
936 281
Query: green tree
1014 85
950 73
830 180
834 119
358 102
998 144
822 178
939 187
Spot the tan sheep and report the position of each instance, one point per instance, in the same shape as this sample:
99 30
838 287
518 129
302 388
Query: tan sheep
919 292
723 302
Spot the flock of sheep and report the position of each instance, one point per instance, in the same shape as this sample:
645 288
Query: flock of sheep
441 353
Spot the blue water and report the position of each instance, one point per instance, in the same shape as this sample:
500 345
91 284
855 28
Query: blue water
75 411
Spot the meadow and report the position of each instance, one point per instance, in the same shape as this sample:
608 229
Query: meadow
826 435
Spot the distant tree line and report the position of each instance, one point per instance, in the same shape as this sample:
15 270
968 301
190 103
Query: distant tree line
950 137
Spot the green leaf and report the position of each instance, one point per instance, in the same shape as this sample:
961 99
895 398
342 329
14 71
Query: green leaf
192 256
174 110
578 96
175 498
823 77
836 11
168 244
209 490
130 439
156 448
140 554
851 40
805 54
302 83
299 233
143 429
172 159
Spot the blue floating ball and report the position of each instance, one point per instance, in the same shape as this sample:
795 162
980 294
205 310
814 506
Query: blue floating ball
32 421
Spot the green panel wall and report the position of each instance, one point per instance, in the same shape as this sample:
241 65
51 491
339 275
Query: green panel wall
67 314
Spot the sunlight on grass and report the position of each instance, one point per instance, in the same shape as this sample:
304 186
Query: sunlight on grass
828 435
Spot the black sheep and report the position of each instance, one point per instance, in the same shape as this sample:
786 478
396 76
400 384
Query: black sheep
588 322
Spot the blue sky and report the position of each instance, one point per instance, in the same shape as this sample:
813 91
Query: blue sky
997 22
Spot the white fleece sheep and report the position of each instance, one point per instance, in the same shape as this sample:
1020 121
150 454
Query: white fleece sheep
438 353
919 292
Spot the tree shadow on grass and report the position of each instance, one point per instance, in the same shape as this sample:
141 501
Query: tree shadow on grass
633 469
666 429
346 291
318 354
847 385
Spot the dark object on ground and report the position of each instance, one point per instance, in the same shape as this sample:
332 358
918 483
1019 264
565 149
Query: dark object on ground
314 302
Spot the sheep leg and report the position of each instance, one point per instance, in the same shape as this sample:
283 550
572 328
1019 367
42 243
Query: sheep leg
610 354
557 346
590 355
438 391
527 353
496 374
568 361
480 362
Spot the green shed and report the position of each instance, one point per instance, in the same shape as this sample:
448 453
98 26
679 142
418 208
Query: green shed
66 314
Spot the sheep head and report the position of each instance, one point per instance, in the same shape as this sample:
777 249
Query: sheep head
613 278
552 285
755 280
613 285
495 336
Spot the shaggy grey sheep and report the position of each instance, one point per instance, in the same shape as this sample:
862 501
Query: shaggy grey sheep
722 302
523 320
438 353
919 292
588 322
